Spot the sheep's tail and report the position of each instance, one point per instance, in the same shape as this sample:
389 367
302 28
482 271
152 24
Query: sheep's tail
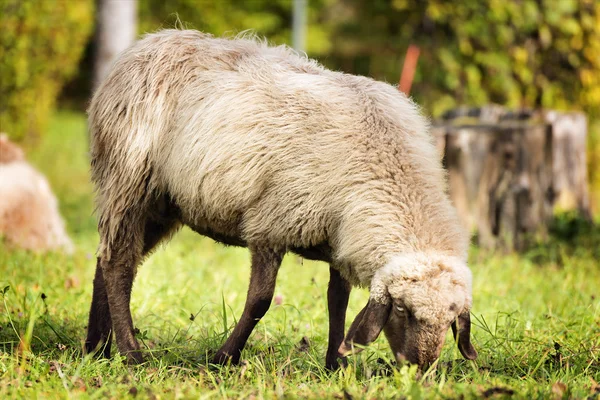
121 146
133 107
121 174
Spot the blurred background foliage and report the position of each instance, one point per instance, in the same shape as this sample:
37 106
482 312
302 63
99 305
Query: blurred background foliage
269 18
525 53
40 47
532 53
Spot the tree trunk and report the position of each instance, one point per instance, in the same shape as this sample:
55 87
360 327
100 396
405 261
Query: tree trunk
117 25
500 179
508 170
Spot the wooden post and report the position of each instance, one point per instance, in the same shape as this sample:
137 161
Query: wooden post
570 179
408 69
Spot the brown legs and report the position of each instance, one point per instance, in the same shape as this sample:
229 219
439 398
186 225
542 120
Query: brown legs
118 279
338 293
100 323
265 265
112 288
113 281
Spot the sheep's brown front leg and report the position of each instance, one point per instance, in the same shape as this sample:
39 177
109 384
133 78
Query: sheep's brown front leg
99 333
338 293
265 265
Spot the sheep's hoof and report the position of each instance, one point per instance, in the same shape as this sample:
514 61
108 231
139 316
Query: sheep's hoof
98 348
134 357
336 363
223 358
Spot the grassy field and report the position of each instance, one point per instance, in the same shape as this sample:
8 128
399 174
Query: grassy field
536 317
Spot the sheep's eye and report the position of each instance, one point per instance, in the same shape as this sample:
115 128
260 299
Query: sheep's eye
400 309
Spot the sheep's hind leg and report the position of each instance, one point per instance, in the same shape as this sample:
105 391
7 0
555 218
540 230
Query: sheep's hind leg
265 265
119 257
99 324
338 294
99 336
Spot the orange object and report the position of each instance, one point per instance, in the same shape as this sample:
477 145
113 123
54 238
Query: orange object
409 68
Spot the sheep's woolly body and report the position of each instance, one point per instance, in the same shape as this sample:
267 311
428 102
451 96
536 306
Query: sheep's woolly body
262 144
29 216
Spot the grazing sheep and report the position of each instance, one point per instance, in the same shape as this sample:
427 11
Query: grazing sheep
29 216
260 147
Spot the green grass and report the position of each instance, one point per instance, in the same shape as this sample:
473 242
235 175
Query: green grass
536 317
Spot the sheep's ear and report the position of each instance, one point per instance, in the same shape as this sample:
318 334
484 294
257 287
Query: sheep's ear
367 325
461 328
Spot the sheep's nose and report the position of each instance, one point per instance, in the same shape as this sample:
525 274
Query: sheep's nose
428 360
424 366
423 361
429 356
413 358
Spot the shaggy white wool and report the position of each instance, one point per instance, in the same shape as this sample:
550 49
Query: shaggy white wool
260 146
263 144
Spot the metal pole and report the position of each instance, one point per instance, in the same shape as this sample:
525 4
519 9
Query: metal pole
299 25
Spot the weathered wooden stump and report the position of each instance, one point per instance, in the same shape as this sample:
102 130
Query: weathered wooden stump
500 179
508 170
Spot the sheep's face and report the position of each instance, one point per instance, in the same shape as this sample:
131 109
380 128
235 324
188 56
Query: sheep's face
424 306
415 299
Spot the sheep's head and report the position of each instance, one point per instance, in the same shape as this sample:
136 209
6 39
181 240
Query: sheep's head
414 300
9 152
